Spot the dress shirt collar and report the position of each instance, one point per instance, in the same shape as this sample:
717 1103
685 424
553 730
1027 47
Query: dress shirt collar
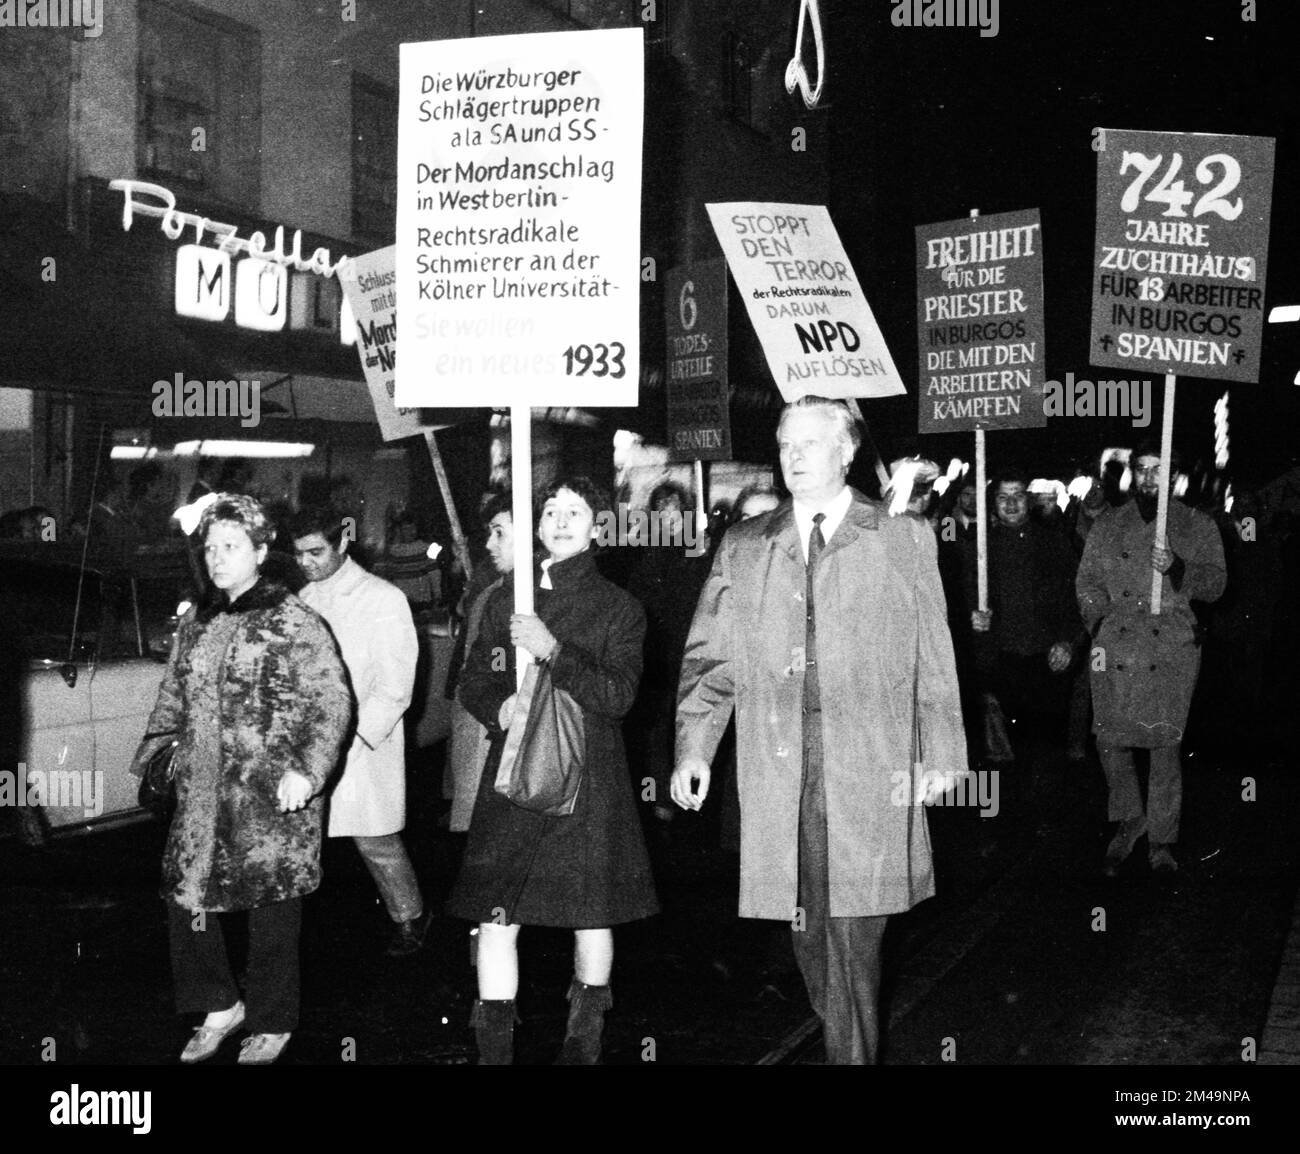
834 511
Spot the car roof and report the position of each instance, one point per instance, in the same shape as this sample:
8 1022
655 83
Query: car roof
158 561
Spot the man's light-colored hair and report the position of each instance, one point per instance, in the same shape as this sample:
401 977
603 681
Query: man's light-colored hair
846 424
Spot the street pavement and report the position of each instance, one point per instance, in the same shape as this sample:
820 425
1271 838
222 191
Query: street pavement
1027 956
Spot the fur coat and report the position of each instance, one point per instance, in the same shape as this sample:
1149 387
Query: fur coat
252 691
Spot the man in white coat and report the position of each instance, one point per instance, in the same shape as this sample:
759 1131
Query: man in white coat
371 621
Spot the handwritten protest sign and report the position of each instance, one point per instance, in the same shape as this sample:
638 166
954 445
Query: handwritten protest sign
518 219
980 323
804 300
699 417
1178 282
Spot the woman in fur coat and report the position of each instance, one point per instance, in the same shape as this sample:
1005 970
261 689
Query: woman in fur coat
256 697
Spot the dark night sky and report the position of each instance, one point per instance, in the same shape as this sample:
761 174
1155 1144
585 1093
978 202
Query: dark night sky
928 123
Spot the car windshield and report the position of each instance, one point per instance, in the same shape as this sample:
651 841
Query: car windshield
40 600
40 603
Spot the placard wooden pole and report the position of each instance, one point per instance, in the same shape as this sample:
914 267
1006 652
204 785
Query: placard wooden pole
882 473
521 511
1162 507
981 510
701 520
981 525
459 543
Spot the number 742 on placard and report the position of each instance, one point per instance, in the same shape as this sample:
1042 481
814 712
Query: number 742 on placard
1174 193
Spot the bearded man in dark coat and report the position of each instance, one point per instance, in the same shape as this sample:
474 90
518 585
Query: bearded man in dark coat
1144 666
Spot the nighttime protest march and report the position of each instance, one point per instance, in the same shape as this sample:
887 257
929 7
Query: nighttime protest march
611 532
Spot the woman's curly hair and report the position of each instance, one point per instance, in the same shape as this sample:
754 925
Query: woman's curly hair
237 509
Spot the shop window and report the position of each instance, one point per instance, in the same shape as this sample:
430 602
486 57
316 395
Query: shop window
199 106
374 159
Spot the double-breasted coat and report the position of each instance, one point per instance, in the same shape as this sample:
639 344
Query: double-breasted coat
371 620
251 691
885 668
589 869
1143 667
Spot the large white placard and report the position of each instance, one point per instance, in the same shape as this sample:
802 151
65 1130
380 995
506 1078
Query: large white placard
804 300
518 219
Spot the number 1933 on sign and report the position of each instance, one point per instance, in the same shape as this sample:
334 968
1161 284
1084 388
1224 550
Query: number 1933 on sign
598 360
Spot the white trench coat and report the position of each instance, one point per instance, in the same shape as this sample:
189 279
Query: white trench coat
371 621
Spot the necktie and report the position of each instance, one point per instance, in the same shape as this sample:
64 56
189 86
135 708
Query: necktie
812 699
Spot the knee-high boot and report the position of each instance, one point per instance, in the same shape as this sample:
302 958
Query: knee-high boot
587 1006
494 1029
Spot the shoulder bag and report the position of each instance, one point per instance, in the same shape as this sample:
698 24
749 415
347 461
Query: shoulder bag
546 749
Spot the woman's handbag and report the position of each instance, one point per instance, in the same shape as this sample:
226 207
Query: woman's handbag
158 782
544 757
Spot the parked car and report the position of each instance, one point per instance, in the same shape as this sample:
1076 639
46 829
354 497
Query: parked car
94 641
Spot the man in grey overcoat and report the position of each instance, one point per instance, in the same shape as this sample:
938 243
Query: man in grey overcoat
823 625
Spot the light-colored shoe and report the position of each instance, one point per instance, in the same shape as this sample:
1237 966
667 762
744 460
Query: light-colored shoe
262 1049
207 1039
1162 860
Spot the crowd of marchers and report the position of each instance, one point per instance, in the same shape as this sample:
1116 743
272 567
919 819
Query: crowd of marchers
819 647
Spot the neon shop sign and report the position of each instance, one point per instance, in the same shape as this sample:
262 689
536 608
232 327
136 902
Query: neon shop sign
259 286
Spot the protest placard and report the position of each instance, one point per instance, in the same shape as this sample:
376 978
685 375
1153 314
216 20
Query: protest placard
979 294
1178 279
368 283
518 219
804 300
699 417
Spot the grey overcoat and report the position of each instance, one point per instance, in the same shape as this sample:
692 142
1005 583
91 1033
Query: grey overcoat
885 663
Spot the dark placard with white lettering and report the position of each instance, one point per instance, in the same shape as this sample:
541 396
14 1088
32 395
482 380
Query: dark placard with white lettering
699 418
979 289
1182 250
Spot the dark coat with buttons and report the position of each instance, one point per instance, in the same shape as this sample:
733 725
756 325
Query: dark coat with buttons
1047 609
1143 667
589 869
